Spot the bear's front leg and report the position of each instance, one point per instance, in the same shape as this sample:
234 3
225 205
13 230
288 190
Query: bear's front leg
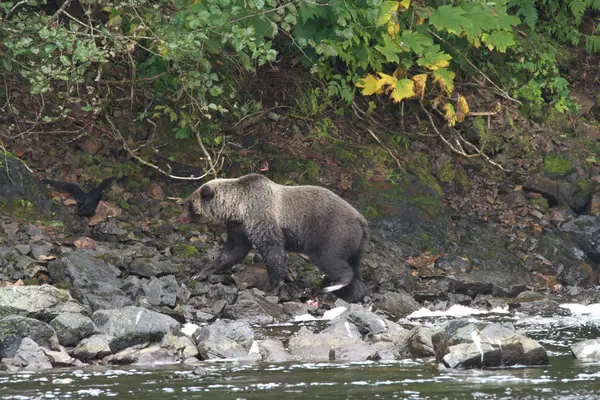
271 246
236 247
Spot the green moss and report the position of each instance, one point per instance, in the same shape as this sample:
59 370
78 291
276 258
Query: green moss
184 250
376 155
63 285
370 212
420 166
541 202
343 155
450 173
30 282
557 164
21 209
584 185
432 206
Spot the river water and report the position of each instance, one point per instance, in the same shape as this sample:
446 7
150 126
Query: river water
564 378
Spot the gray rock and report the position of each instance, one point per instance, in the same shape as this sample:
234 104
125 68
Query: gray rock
586 350
96 346
486 346
256 309
366 321
28 357
128 355
149 267
132 325
385 354
310 347
181 347
161 291
14 329
420 343
142 355
24 249
43 302
469 355
37 251
71 328
295 308
344 329
397 304
132 286
224 339
59 358
272 350
94 282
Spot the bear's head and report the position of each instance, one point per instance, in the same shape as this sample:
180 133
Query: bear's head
210 201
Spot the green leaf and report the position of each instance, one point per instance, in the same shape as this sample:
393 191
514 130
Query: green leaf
498 40
434 59
7 63
451 19
390 49
65 60
415 41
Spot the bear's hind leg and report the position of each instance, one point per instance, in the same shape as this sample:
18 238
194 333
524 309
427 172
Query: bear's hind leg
337 269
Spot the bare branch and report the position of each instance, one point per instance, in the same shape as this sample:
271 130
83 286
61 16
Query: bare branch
457 146
213 166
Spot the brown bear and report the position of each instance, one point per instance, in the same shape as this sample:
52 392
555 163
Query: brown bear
274 218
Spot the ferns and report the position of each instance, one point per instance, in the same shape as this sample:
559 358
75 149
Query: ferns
578 8
592 44
527 11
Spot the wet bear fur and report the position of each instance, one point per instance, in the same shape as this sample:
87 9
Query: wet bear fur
273 219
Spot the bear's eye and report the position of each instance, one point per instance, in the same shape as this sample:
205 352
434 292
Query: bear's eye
206 192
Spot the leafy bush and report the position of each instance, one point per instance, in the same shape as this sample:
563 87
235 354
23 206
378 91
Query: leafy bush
185 50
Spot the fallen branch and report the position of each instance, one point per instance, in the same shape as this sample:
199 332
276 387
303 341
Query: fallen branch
385 147
212 165
457 147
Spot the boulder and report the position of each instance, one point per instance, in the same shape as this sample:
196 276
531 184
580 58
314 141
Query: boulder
93 281
43 302
14 329
71 328
132 325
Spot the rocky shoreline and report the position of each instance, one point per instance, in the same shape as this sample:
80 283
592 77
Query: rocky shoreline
116 289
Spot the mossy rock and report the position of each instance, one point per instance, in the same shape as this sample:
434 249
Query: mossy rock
185 250
22 195
558 165
454 175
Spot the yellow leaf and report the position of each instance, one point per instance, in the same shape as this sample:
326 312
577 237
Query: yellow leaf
399 72
420 20
384 81
388 10
445 79
449 114
405 4
368 84
403 90
420 84
393 29
463 109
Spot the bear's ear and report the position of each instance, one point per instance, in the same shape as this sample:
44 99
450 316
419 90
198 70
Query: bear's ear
206 192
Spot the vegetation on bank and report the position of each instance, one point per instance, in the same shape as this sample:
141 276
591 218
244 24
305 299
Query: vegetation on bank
187 59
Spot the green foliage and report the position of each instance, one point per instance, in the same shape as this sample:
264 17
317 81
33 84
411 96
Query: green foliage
404 37
187 52
535 78
562 20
